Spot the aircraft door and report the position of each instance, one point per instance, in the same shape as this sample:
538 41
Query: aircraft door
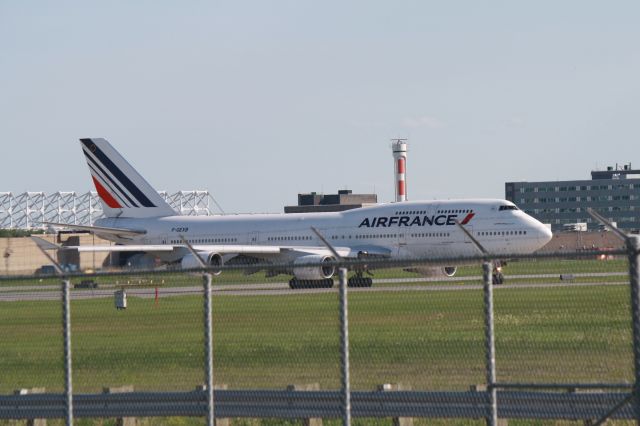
402 238
402 243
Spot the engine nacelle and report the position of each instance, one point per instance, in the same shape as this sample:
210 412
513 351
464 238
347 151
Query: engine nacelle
315 272
449 270
433 271
211 259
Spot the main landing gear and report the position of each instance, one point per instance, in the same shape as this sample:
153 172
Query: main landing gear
295 283
359 281
355 281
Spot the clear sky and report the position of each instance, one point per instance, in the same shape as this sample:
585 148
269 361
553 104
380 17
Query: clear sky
259 100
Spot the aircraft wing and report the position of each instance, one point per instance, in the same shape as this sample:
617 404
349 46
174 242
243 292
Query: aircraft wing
151 248
256 250
239 249
369 251
47 245
123 232
122 248
263 251
235 249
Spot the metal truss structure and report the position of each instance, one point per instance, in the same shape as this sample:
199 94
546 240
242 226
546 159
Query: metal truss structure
29 209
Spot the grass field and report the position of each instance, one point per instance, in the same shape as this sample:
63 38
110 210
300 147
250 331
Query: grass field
429 340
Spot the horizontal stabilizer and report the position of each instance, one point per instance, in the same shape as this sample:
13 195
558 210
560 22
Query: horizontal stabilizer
44 244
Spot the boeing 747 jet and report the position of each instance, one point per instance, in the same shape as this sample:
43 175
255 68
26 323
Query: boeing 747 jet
140 222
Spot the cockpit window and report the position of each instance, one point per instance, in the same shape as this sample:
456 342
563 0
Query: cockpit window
508 208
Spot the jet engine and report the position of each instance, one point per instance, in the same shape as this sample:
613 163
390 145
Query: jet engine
449 270
426 271
315 272
211 259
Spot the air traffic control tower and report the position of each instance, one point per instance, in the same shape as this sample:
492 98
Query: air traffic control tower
399 148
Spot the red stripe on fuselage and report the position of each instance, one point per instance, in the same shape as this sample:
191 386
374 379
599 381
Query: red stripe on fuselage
104 194
467 219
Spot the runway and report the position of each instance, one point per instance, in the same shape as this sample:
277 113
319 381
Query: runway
54 292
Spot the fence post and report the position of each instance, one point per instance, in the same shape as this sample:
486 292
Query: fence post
490 345
221 386
122 421
208 349
633 250
344 348
394 387
310 421
66 326
32 422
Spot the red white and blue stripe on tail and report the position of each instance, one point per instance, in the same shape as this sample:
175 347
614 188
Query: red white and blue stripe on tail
123 192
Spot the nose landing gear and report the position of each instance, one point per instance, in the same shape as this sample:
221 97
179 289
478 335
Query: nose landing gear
497 276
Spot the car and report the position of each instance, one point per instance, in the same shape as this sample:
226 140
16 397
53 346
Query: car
86 284
46 270
51 269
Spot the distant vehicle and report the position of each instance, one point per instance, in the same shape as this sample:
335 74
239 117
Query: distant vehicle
141 222
575 227
69 267
51 270
86 284
46 270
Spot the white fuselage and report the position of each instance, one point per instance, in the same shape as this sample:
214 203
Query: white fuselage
424 229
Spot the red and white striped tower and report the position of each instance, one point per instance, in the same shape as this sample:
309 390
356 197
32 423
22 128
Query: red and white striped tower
399 147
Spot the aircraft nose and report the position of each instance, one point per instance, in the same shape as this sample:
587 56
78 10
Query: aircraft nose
544 234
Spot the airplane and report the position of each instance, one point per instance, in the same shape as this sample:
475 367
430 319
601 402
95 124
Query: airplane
140 222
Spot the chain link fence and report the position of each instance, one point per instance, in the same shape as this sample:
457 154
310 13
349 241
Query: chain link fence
553 343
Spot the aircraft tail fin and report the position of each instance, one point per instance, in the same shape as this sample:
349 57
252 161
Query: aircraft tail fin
122 190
